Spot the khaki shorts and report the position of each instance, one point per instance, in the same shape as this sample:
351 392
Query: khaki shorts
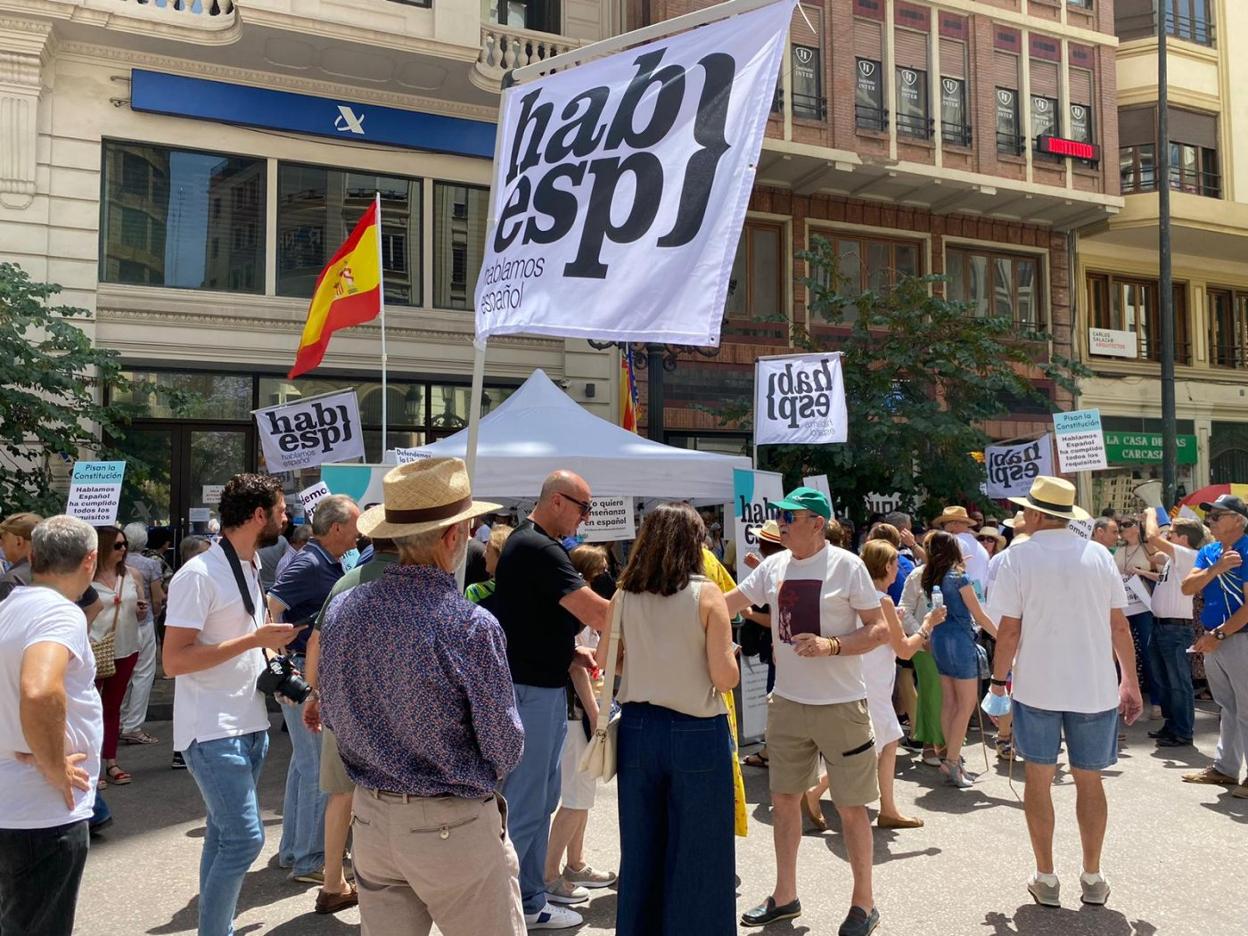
334 777
798 733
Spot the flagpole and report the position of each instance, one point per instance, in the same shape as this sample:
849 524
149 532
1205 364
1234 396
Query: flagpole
381 298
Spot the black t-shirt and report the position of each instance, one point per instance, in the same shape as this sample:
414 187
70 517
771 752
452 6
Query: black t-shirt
474 569
534 574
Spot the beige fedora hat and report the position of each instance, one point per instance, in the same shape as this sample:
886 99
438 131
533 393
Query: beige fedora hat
951 515
1016 523
770 531
1052 496
990 529
420 496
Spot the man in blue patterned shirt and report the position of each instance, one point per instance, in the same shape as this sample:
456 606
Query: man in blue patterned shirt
415 686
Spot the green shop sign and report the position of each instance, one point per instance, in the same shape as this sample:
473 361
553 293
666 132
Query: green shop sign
1144 448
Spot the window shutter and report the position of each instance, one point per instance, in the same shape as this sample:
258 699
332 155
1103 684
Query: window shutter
802 34
868 40
1193 128
1005 70
1044 81
911 49
1081 86
952 58
1137 126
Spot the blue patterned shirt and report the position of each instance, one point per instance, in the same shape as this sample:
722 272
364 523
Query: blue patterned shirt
416 688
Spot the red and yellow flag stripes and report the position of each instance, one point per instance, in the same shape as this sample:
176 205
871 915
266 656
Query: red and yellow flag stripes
348 292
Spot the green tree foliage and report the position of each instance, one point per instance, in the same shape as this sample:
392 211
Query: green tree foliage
51 400
922 375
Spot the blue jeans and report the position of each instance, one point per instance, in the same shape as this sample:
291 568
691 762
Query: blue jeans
303 807
532 789
1142 629
1172 665
227 772
677 851
1091 737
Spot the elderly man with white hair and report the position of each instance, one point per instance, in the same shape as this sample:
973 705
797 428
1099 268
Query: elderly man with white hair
151 574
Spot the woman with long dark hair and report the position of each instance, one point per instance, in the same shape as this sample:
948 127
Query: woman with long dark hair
677 853
121 591
954 648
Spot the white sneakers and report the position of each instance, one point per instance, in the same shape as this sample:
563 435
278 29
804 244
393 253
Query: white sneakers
1045 889
552 917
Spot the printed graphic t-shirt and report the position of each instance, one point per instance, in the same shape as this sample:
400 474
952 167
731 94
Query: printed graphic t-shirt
819 595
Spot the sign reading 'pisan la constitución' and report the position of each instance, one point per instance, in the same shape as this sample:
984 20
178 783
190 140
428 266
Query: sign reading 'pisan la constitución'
1144 448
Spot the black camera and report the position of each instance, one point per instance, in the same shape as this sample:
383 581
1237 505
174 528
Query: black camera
281 678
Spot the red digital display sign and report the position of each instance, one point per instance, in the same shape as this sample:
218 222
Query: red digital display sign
1058 146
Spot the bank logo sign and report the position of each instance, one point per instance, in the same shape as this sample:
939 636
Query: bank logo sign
800 400
349 121
307 433
622 185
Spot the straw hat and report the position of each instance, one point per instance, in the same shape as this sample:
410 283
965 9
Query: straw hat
21 525
951 515
770 532
1017 523
990 529
1052 496
420 496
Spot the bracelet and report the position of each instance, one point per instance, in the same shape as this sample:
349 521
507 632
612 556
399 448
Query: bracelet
999 682
925 634
834 646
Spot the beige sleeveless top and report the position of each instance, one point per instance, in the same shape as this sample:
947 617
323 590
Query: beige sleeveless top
665 652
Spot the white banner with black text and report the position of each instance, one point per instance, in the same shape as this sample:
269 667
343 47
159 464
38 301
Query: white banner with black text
800 400
308 433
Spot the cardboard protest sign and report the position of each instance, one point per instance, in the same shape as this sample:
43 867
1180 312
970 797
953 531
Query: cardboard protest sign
310 495
95 491
753 494
1012 468
800 399
1080 442
610 519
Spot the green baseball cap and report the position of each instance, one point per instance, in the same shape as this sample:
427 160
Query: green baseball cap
804 498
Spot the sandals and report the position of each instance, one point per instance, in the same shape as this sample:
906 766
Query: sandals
755 760
814 812
138 736
117 776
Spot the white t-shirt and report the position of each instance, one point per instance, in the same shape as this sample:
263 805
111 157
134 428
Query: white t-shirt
975 558
1168 598
221 702
818 595
994 566
1062 587
29 616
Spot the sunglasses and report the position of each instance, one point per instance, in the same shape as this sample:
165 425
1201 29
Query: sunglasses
1126 524
121 544
986 539
585 508
789 516
1216 515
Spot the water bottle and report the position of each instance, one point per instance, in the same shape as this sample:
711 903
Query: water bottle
938 598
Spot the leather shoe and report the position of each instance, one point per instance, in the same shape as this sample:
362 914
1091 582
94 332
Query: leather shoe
1161 733
769 912
332 903
1172 741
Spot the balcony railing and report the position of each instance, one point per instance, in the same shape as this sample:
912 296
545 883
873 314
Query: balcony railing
504 48
809 106
1010 143
1221 355
920 128
1150 349
956 134
1193 29
867 117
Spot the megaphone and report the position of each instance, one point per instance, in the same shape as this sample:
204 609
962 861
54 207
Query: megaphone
1150 493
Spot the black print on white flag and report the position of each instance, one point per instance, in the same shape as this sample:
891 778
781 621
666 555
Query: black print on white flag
622 185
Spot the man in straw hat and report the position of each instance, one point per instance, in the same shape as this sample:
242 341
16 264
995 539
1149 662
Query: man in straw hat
1061 601
543 603
415 687
957 522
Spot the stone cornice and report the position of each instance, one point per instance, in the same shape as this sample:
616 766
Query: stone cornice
110 55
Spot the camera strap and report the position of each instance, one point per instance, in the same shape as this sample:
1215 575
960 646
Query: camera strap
236 566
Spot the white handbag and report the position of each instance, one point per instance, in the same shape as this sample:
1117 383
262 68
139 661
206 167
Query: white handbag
599 757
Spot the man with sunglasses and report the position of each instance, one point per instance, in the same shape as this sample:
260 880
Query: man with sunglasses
825 613
543 603
1219 576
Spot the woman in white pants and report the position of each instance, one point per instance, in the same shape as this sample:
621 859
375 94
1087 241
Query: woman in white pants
151 572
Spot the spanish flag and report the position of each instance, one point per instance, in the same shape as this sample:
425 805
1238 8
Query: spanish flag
628 391
348 292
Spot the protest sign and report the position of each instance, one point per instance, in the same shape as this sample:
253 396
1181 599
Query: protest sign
310 432
95 491
310 495
622 185
611 518
362 483
1081 528
753 698
1138 598
799 399
404 456
753 494
1080 442
1012 468
885 503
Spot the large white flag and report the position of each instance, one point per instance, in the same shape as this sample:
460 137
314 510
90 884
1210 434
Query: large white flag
622 185
800 399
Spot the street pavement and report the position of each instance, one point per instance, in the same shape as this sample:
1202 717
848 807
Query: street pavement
1174 855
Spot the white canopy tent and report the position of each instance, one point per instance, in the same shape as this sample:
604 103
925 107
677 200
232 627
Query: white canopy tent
539 429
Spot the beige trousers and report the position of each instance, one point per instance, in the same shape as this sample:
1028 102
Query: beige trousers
445 860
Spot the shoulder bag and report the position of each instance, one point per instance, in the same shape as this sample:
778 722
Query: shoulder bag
105 648
599 757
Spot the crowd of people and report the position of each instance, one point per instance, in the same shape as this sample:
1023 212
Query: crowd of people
441 725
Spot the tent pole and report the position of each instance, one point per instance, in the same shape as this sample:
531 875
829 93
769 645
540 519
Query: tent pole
474 428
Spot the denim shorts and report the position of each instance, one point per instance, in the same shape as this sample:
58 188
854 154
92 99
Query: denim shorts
1091 738
953 648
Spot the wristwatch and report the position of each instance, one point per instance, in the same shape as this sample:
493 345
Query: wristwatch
1218 633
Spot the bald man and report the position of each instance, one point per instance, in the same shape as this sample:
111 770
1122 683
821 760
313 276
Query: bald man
542 603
